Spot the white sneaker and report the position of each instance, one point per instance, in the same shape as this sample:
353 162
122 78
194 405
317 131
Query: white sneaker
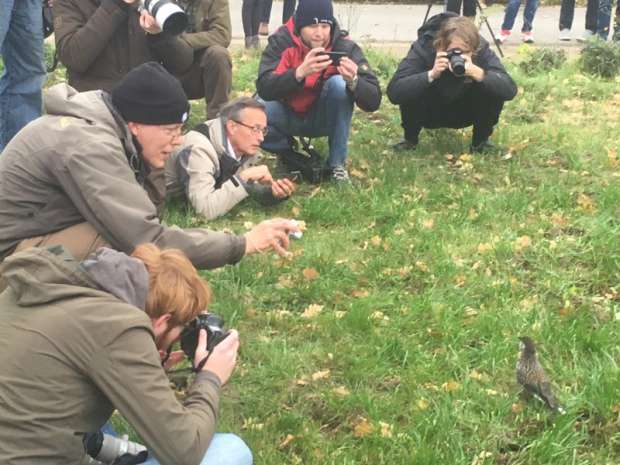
587 35
503 35
527 37
565 35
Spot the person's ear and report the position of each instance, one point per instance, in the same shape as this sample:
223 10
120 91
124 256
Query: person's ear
160 324
134 128
231 127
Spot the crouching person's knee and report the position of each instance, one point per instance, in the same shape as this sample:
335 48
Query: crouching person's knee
228 449
337 88
216 56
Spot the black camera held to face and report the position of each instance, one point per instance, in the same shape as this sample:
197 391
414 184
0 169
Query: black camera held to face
216 333
457 62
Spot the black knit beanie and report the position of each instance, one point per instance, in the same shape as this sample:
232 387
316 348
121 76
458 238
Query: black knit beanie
313 12
149 94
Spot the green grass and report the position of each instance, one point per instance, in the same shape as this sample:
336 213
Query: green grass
429 268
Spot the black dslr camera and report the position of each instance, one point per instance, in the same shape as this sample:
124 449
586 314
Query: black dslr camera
213 324
457 62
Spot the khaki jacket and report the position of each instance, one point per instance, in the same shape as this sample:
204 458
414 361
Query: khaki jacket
79 164
73 352
195 169
100 41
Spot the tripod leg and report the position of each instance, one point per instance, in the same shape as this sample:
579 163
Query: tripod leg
428 10
495 41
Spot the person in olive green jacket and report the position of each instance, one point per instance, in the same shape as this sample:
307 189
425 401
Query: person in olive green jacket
80 340
100 41
78 176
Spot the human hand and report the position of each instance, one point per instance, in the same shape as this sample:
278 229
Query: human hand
270 234
282 188
347 69
148 23
441 64
131 2
258 173
224 357
315 62
171 359
471 69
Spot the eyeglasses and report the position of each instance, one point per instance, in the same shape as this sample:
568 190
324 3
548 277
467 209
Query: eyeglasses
255 129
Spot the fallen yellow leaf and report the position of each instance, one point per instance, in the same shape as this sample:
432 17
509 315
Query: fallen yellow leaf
522 243
422 404
320 375
362 428
450 386
287 440
386 429
341 391
312 310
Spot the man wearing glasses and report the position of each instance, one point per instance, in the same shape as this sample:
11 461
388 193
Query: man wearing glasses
217 164
450 79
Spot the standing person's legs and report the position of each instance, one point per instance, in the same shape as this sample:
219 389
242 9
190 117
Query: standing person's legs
265 16
510 14
287 10
528 15
250 16
225 449
332 116
567 14
616 36
454 6
21 31
469 8
591 15
604 19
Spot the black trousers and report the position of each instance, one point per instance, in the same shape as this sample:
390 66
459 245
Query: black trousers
567 13
250 17
469 7
474 107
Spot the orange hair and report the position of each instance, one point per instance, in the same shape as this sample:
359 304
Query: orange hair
174 284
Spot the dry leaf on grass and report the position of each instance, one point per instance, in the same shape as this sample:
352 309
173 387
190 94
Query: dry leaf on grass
287 440
422 404
341 391
323 374
386 429
310 274
312 310
451 386
522 243
362 428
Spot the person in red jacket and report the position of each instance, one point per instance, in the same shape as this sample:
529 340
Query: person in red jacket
309 93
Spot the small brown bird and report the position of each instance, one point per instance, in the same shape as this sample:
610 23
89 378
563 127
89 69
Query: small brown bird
532 376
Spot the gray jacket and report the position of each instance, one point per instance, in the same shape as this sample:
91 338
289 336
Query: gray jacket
79 164
197 171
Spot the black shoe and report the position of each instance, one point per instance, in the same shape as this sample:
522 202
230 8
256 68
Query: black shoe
404 146
485 147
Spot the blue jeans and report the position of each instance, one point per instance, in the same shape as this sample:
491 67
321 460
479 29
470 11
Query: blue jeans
329 116
225 449
21 47
604 19
512 8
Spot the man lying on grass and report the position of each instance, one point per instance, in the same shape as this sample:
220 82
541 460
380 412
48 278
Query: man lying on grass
217 165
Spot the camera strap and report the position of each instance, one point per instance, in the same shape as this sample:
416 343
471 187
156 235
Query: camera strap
198 368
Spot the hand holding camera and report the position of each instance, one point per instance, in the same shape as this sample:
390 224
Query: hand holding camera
316 61
270 234
347 69
210 346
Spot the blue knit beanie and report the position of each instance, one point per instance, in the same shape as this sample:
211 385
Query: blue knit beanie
313 12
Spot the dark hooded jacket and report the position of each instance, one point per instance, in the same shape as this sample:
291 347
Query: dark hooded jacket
286 51
411 78
77 344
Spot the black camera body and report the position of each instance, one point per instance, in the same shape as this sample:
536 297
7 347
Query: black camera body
212 324
457 62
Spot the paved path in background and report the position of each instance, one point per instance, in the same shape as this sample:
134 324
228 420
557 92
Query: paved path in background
397 24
